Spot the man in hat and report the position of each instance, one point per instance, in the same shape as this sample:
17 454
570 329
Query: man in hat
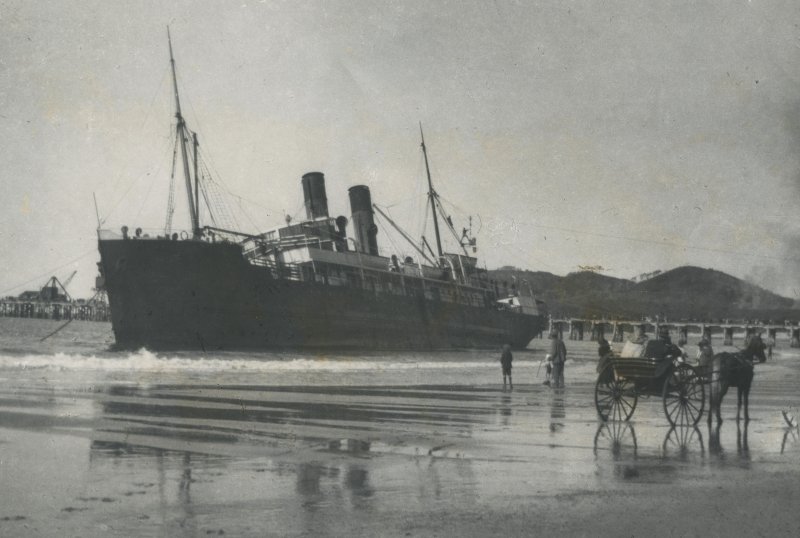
664 352
605 353
705 354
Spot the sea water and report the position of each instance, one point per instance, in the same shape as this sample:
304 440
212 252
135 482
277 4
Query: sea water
84 348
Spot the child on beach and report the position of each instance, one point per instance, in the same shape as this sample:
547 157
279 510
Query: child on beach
548 359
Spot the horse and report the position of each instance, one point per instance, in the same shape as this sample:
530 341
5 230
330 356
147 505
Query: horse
734 370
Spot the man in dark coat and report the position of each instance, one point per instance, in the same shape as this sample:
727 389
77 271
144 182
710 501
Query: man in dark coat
605 353
505 361
558 354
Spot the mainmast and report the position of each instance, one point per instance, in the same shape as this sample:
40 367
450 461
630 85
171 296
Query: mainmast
181 133
431 193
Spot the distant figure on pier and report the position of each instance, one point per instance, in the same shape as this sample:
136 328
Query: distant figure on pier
505 361
770 345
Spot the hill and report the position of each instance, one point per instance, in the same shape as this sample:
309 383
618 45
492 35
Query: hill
682 293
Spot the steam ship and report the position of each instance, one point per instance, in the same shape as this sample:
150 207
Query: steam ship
305 285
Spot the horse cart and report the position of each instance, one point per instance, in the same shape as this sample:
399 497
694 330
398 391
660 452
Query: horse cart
650 369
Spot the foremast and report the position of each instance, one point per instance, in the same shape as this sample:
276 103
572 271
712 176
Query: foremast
182 132
436 206
431 194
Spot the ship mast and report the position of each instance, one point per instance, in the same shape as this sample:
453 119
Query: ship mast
431 194
181 133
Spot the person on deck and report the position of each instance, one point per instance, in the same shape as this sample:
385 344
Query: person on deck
505 361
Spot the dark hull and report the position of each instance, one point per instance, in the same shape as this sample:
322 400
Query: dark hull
197 295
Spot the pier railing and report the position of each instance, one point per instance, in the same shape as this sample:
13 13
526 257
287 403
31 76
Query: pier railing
594 329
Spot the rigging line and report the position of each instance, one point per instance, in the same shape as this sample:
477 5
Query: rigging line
206 186
196 119
171 198
665 243
515 254
404 200
133 184
300 208
255 226
93 250
150 188
391 240
155 94
203 188
146 117
448 220
206 159
222 204
452 205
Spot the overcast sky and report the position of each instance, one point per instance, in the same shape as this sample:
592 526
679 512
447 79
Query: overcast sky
630 135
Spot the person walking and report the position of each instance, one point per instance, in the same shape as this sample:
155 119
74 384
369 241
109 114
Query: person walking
505 361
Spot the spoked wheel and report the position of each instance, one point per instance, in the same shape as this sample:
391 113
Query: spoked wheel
614 398
684 396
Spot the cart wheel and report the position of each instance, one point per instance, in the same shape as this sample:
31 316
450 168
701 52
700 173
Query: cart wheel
615 398
684 396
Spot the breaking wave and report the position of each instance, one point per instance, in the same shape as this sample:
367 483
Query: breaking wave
148 361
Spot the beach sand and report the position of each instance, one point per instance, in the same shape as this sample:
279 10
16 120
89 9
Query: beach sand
144 445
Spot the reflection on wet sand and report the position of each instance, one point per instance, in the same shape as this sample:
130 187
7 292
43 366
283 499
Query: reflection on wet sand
681 444
619 440
682 441
717 451
504 409
196 459
790 436
557 410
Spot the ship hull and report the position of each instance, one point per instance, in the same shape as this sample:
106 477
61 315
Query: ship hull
198 295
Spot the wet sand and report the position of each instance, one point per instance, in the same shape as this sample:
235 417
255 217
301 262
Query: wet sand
98 452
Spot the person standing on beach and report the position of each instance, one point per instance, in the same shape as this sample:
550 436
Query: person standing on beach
604 353
505 361
558 354
548 359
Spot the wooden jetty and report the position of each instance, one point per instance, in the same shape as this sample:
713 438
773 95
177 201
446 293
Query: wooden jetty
86 311
53 301
577 328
